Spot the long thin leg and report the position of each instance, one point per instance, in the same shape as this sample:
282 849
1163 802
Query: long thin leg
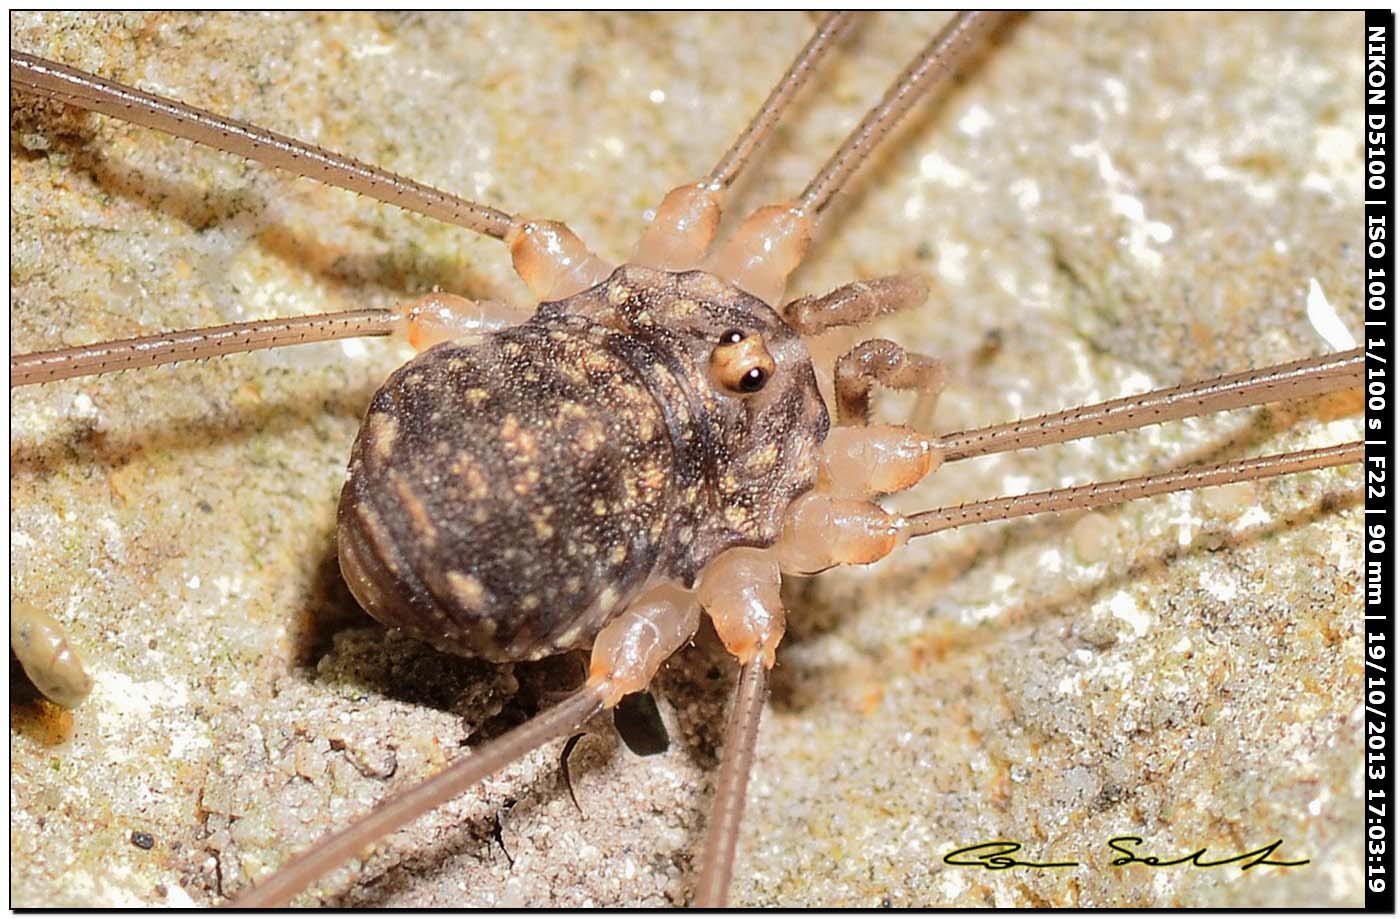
772 241
828 32
88 91
937 61
1293 380
423 323
195 344
686 221
1103 494
822 530
833 526
727 812
739 591
551 259
864 460
331 851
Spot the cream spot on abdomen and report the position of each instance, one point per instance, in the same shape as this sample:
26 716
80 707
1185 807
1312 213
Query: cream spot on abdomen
467 590
383 430
418 518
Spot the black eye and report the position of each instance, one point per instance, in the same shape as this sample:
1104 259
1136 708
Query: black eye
732 337
753 380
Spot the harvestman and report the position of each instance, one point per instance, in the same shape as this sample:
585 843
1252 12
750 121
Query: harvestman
830 524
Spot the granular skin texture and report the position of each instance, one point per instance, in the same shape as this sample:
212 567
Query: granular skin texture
510 493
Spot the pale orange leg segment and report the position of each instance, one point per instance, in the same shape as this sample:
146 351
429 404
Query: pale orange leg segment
680 234
822 530
861 461
739 590
552 261
764 251
685 223
631 648
440 317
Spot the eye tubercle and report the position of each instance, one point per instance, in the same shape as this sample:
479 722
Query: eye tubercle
741 363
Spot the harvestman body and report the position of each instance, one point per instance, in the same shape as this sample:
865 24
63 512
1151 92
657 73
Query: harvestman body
653 443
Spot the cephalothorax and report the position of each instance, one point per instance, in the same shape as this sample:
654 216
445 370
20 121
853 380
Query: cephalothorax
653 443
510 492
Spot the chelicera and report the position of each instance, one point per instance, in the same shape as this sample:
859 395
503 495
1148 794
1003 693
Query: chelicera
730 359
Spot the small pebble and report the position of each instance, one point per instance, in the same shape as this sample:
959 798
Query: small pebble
1229 500
1092 536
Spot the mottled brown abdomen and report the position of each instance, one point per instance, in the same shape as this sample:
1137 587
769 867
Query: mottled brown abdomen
506 496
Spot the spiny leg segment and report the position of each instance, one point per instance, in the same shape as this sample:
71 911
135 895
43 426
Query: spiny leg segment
423 323
88 91
727 811
626 655
171 347
1292 380
547 255
1105 494
939 60
342 845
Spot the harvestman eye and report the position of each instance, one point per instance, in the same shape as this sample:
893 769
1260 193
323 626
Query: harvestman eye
741 363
